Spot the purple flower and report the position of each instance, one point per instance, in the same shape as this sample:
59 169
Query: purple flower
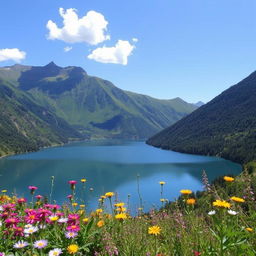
70 234
40 244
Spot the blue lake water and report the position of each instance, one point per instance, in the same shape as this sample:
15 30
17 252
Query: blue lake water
110 166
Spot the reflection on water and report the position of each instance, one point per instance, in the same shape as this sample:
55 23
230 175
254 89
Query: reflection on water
110 166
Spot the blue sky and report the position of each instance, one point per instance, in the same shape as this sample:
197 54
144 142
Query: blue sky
193 49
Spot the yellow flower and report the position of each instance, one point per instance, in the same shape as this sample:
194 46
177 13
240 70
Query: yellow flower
109 194
53 218
221 204
4 191
237 199
99 211
191 201
103 197
228 179
121 216
82 206
249 229
186 192
83 180
162 200
75 204
154 230
161 182
72 249
100 223
85 220
119 205
121 209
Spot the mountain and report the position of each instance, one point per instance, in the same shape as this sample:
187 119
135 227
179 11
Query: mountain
94 106
199 104
226 126
25 126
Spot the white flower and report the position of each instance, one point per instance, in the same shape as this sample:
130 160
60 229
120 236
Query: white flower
20 244
28 226
1 208
212 212
1 223
63 220
232 212
30 230
55 252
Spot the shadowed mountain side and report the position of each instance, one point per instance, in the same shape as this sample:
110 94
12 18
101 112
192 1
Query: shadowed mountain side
226 126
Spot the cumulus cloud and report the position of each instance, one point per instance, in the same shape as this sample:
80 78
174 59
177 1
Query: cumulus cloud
12 54
118 54
68 48
90 29
135 40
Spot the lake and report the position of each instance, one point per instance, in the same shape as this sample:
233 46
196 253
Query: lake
110 166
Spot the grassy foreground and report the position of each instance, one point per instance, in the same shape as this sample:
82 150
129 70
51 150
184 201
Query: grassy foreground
220 221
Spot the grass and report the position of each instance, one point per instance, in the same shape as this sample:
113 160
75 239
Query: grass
218 221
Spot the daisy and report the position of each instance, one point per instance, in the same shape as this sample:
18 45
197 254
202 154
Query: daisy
20 244
62 220
232 212
55 252
40 244
30 230
70 234
211 212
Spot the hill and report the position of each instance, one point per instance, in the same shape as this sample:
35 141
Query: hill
94 106
226 126
25 126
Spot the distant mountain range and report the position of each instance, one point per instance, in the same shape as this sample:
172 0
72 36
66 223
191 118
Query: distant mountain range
50 105
226 126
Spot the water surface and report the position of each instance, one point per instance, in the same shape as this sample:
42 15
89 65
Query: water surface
110 166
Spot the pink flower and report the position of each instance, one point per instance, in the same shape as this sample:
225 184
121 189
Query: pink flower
31 217
18 231
73 228
9 207
22 200
12 221
39 197
73 218
72 184
32 189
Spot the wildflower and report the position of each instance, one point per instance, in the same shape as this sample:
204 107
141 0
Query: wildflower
74 204
72 184
99 211
83 180
53 218
71 234
121 216
22 200
191 201
228 179
221 204
20 244
11 221
62 220
249 229
55 252
211 212
4 191
109 194
232 212
73 228
40 244
162 183
119 205
32 189
237 199
72 249
39 197
154 230
82 206
85 220
185 191
162 200
2 254
100 223
121 209
1 208
30 230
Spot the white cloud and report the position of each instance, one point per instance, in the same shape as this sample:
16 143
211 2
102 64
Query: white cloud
90 29
12 54
135 40
117 54
68 48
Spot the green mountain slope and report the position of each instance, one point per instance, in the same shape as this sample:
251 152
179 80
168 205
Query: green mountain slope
226 126
26 126
93 106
